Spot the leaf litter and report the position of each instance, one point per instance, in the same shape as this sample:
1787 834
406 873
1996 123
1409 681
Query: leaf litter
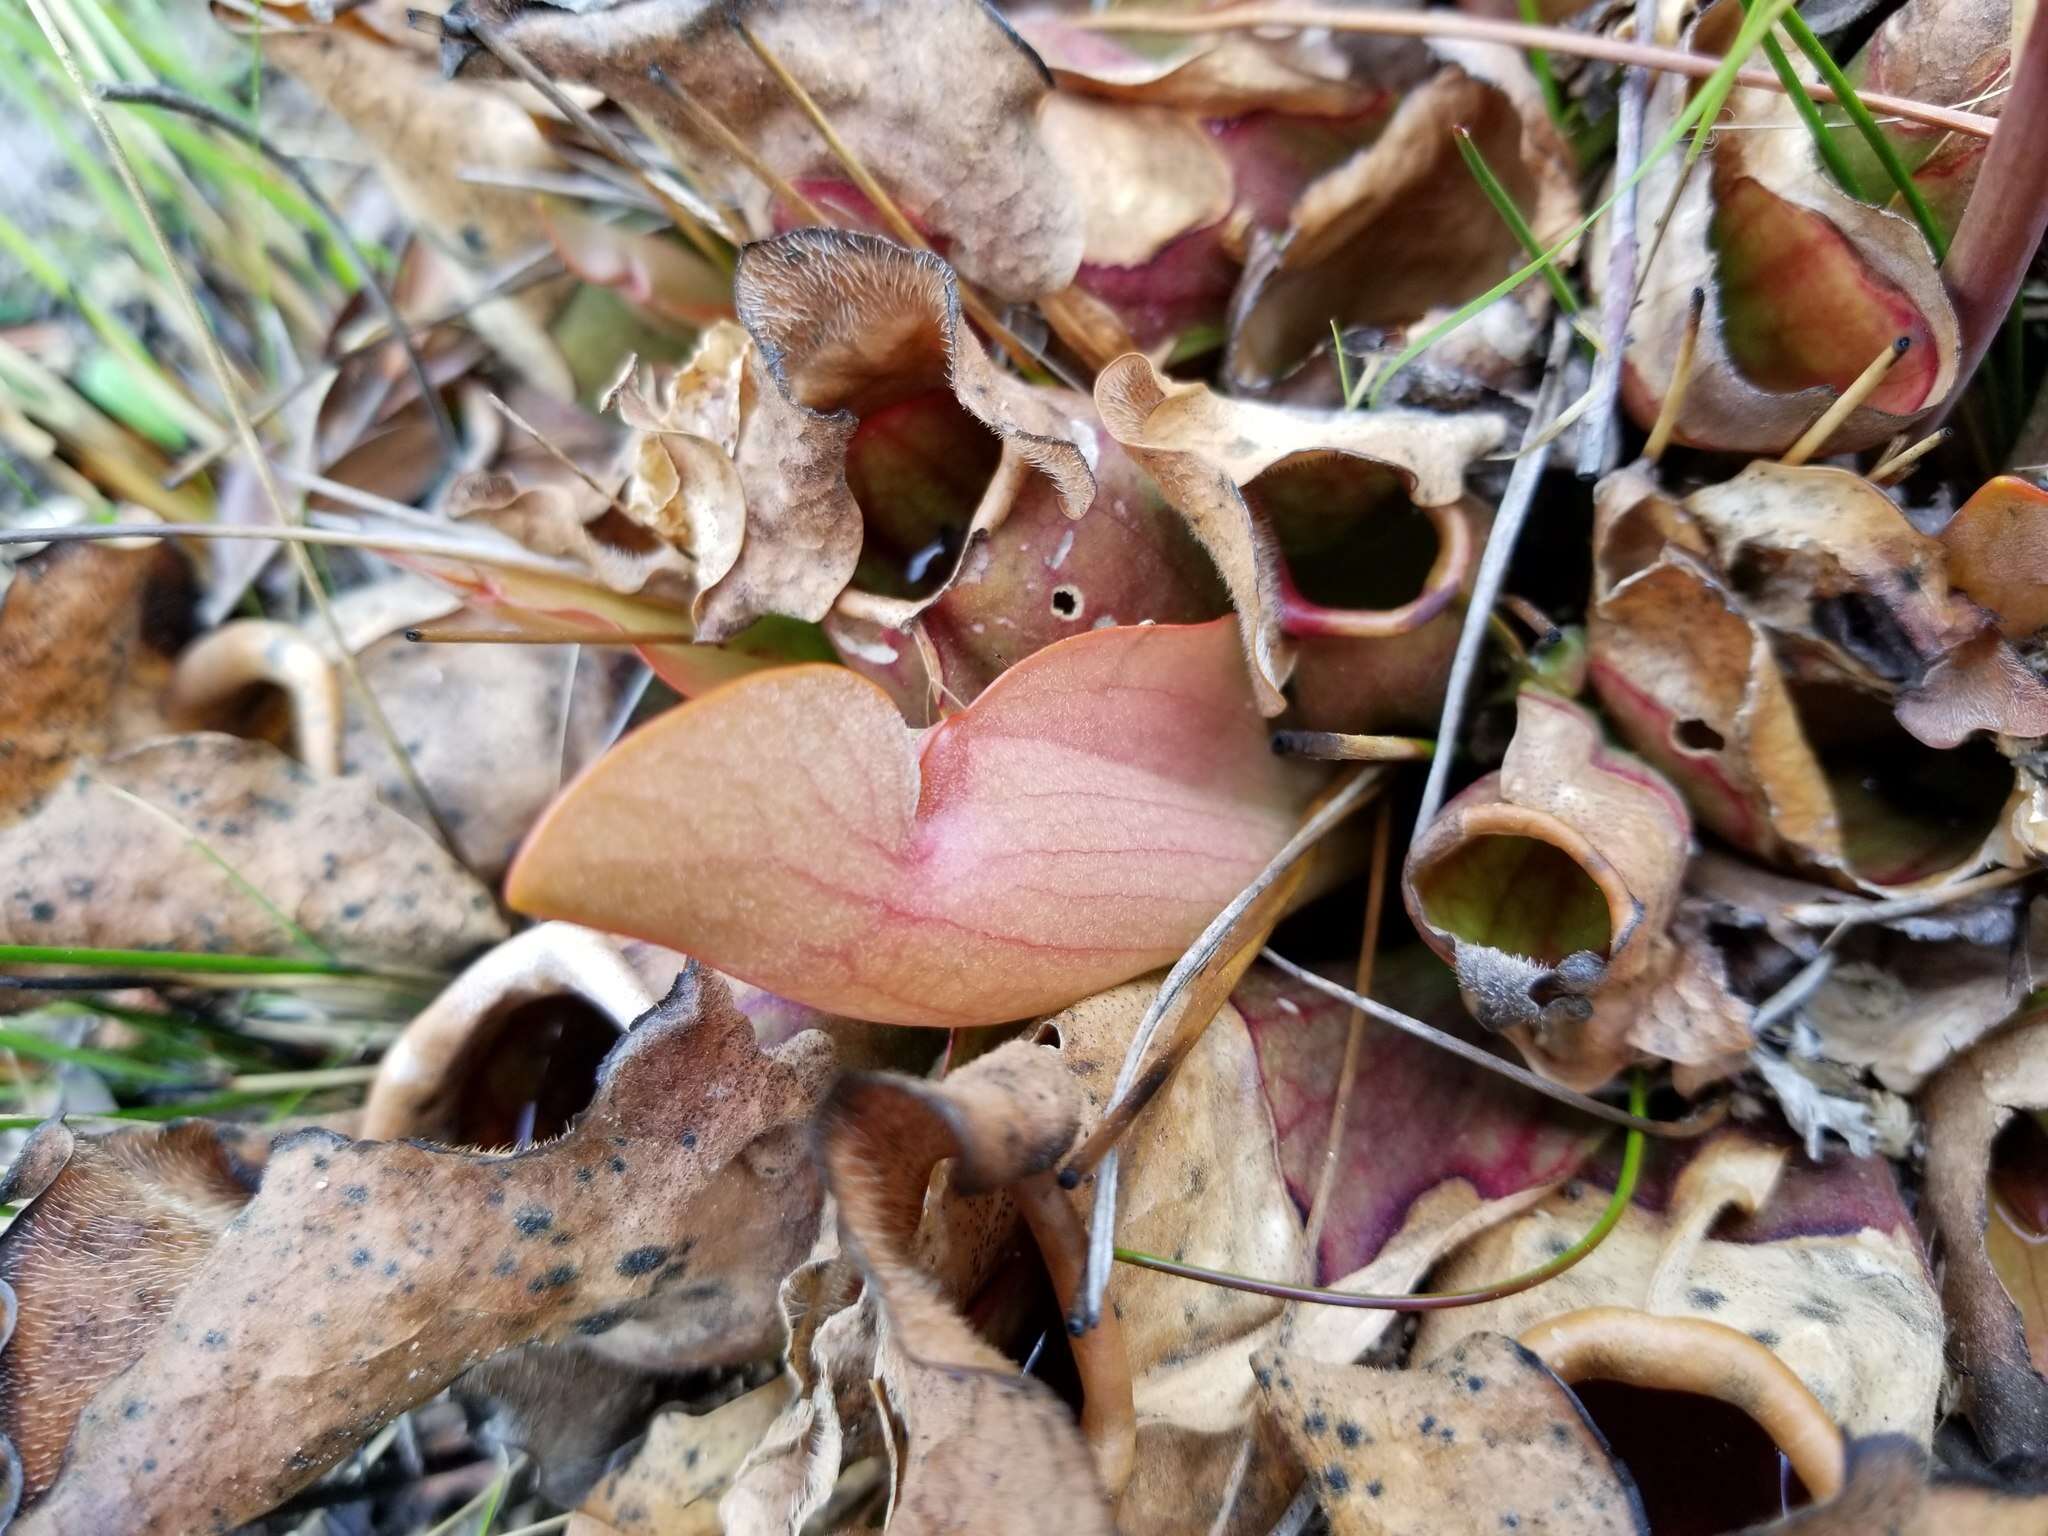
755 1023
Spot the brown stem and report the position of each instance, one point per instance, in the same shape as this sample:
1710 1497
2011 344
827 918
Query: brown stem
1354 1038
1109 1418
2001 228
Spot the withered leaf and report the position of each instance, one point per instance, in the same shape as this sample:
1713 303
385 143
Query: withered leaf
326 855
61 698
381 1270
974 1445
958 146
422 132
2002 1391
671 1483
114 1228
1483 1438
1824 1263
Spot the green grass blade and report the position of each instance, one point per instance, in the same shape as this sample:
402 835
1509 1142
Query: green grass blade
186 962
1539 66
107 1063
1706 103
1504 205
1808 109
1873 136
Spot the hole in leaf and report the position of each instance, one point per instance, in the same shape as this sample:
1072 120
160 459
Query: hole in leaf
1907 810
1701 1465
2016 1226
532 1073
1697 736
1351 537
918 468
1517 895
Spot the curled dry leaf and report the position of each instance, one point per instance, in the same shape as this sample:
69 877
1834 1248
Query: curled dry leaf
61 699
1483 1438
1550 888
972 1443
114 1227
1200 1178
1401 234
857 337
940 100
670 1483
1220 460
909 877
1774 735
1820 1263
329 861
1772 352
1999 1347
1995 551
364 1276
423 132
1904 994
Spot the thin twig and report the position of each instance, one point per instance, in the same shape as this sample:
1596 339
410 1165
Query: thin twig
224 382
1621 263
1378 22
295 535
1338 747
1673 402
1696 1124
1201 953
177 101
1860 389
1354 1035
1515 503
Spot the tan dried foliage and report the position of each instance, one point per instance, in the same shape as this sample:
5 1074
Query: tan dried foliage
1829 1267
958 147
115 1227
972 1444
1482 1438
364 1276
91 867
60 698
2002 1390
1400 235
